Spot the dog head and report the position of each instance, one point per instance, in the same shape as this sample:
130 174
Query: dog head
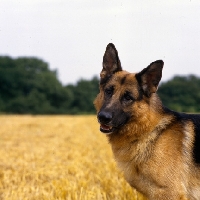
124 96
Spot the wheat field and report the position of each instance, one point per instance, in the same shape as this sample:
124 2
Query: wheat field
58 157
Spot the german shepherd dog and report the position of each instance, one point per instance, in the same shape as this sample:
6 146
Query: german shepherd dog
157 149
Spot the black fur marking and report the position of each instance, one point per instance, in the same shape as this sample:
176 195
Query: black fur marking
103 81
123 79
141 93
197 144
196 121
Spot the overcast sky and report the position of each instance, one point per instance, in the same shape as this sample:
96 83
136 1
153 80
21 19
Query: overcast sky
71 35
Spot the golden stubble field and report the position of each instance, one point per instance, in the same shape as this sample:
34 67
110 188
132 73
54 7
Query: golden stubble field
58 157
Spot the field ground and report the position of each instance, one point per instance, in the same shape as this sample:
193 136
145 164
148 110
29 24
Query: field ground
58 157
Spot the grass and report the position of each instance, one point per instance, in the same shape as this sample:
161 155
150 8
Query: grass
58 157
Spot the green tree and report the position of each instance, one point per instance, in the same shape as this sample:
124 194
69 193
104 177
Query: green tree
181 93
28 86
83 95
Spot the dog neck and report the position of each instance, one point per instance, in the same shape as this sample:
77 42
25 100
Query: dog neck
129 141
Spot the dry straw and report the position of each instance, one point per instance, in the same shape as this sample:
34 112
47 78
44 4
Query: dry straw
58 157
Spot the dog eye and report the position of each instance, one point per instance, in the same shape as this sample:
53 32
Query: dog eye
127 97
109 91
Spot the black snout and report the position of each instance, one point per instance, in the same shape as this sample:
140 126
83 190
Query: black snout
104 117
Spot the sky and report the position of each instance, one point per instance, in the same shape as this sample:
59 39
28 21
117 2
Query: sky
71 35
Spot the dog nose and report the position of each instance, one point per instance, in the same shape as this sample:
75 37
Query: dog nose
104 117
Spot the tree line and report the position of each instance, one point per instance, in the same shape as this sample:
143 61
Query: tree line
28 86
181 93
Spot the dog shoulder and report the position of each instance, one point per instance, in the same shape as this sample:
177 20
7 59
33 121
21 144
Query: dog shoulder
195 120
189 124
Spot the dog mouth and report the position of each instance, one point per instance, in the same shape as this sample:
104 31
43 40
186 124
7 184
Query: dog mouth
106 128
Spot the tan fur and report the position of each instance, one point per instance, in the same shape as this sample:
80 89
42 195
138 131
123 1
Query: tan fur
153 151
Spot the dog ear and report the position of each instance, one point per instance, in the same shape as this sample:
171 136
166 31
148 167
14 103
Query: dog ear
150 77
111 63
